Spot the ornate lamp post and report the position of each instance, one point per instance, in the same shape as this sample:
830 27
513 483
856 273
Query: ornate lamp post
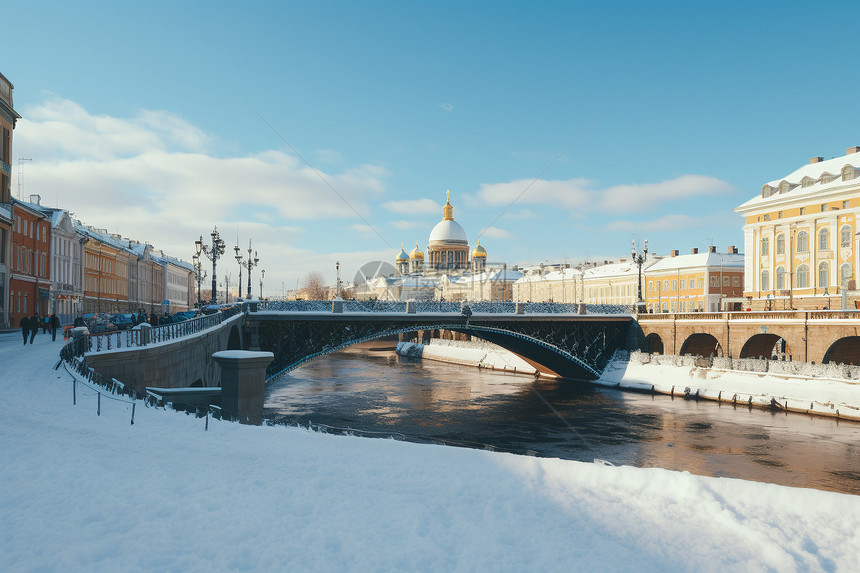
239 260
249 264
638 260
337 283
199 274
213 252
262 274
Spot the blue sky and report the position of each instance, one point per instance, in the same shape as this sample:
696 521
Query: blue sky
622 119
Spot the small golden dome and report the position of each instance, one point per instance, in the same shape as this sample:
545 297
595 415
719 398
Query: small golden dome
448 209
403 256
416 253
479 251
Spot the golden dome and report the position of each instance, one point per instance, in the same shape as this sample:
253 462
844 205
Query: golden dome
479 251
416 253
403 256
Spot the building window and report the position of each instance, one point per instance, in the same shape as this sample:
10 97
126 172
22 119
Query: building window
701 283
715 281
823 275
736 281
845 236
780 244
802 242
779 215
650 285
765 246
845 204
726 281
802 276
846 274
802 210
675 284
823 207
765 280
665 285
683 306
824 239
767 217
780 278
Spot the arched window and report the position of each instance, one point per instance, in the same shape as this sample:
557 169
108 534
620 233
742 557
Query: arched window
846 274
845 236
780 244
802 276
780 278
823 275
824 239
765 246
802 242
765 280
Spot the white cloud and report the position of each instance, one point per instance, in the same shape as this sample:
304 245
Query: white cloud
413 206
579 194
406 225
154 177
495 233
446 106
665 223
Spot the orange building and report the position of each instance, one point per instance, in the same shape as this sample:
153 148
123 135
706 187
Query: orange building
8 119
106 264
698 282
29 283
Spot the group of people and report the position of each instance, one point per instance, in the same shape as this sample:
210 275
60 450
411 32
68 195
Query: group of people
30 326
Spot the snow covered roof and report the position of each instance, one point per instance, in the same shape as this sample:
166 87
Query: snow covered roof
809 179
698 260
5 212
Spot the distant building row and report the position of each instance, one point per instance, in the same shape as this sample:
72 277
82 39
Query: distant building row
51 264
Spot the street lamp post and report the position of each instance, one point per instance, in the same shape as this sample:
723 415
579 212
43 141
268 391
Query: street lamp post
337 283
199 274
638 259
249 264
239 260
213 252
262 274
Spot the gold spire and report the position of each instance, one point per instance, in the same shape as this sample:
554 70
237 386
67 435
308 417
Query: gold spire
448 210
416 254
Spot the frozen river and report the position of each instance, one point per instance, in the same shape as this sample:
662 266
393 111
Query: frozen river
377 393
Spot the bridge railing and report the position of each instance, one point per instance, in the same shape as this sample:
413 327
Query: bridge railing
497 307
133 338
756 316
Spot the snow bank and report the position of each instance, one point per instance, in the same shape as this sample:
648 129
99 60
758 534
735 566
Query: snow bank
477 354
682 376
83 492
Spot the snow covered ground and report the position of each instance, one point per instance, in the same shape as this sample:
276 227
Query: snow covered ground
82 492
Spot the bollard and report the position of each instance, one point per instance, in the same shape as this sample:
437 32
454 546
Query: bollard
520 308
582 309
410 306
243 383
337 305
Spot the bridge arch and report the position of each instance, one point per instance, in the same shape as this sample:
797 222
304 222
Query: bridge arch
653 344
844 351
765 346
234 341
701 344
574 349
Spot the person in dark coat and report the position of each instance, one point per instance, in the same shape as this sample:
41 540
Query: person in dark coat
79 321
25 328
55 325
34 327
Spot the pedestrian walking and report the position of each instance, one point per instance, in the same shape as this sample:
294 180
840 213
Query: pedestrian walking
25 328
34 327
55 325
45 324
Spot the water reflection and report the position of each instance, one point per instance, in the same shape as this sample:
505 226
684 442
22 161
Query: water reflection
436 402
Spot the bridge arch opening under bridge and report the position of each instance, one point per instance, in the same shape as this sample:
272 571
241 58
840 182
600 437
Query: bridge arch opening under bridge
571 350
765 346
701 344
844 351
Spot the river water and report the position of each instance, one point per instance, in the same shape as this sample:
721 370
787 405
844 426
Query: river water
380 394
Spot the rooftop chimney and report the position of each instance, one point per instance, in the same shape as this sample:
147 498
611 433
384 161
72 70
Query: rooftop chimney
694 251
712 249
36 200
674 253
852 150
816 159
732 250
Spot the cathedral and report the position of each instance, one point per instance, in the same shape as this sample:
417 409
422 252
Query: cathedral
448 250
449 271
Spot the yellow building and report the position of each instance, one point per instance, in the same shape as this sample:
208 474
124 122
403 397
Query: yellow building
698 282
799 236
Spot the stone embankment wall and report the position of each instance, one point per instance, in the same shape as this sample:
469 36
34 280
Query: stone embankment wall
758 365
177 363
476 353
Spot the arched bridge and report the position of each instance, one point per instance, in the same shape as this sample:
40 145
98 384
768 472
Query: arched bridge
570 345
